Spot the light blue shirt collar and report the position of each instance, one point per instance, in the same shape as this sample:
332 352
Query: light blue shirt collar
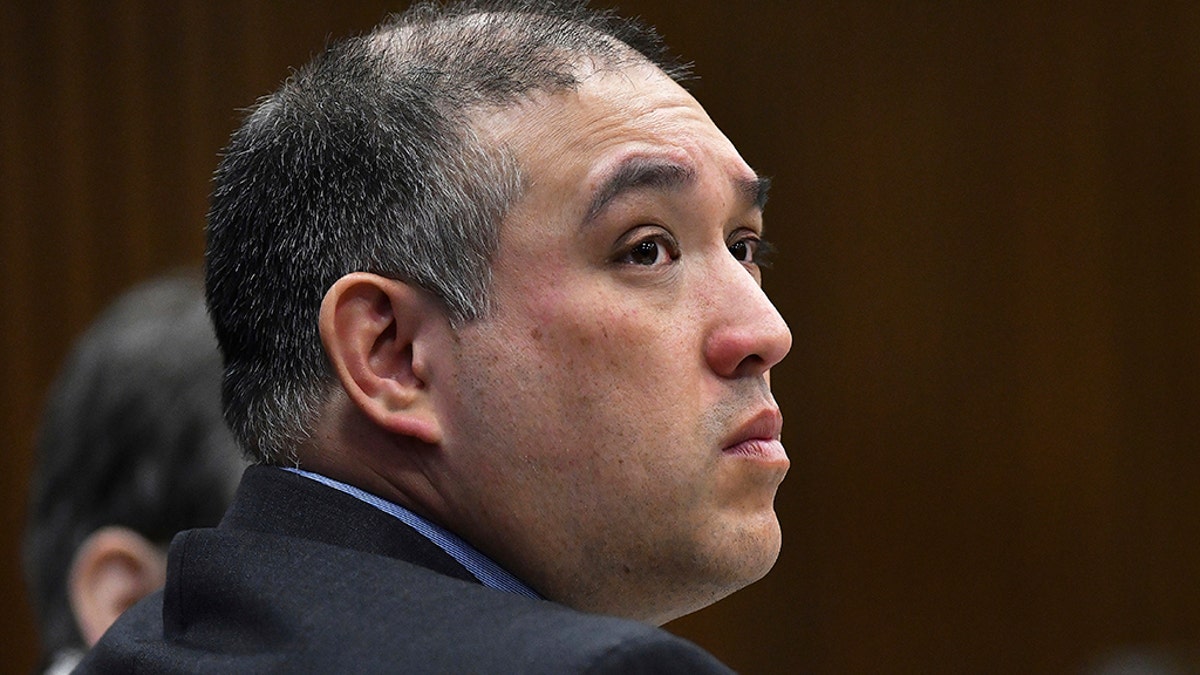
484 568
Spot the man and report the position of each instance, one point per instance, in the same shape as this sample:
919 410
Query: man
487 284
132 449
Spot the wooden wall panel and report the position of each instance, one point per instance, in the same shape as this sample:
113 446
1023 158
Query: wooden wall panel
113 115
990 223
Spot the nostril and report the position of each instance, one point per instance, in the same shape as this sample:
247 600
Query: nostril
751 365
738 354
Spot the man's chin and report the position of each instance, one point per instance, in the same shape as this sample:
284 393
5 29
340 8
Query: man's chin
749 555
762 544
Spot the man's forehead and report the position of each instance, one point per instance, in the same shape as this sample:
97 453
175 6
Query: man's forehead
591 80
618 131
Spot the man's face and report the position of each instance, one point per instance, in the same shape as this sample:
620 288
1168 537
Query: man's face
611 437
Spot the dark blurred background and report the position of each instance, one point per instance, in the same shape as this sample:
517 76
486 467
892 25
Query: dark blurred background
989 215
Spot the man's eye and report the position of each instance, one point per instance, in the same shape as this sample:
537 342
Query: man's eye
648 252
743 250
752 251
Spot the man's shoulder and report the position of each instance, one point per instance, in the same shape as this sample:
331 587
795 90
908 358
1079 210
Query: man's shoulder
248 601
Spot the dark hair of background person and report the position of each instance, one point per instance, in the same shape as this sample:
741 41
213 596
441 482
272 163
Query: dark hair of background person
132 436
312 187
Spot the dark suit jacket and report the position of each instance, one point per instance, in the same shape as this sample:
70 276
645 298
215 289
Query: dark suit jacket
300 577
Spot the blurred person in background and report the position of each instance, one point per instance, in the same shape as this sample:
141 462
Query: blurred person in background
132 448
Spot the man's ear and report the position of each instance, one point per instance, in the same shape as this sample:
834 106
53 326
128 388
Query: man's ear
113 569
376 332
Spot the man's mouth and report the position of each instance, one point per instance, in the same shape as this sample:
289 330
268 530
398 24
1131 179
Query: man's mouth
758 438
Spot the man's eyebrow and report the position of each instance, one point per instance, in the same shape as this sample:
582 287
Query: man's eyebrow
755 190
637 173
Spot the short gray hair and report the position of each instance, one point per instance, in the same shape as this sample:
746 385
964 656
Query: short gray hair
365 160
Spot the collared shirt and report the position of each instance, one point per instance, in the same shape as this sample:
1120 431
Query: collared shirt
64 662
484 568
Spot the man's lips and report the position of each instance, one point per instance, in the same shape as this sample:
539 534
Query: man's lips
758 438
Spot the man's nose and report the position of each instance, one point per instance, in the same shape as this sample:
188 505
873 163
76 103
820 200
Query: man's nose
749 336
